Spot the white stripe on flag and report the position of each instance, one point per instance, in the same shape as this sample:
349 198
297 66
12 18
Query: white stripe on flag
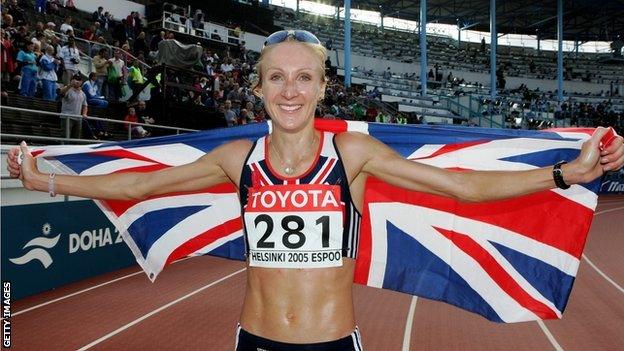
418 223
169 154
203 199
223 210
357 126
115 165
425 151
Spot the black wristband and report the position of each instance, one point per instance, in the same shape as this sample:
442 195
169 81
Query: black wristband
558 176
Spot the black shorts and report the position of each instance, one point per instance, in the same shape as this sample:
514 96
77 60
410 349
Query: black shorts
246 341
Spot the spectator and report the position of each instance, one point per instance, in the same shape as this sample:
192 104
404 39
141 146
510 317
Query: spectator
8 53
153 45
47 73
116 76
138 23
98 15
137 131
71 59
67 25
119 32
140 45
141 111
94 97
227 66
89 33
108 19
41 6
70 5
97 31
230 115
49 30
101 63
73 103
27 59
135 77
215 36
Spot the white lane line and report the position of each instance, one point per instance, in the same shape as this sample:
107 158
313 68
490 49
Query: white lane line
83 291
592 265
617 286
144 317
547 332
75 293
549 335
408 324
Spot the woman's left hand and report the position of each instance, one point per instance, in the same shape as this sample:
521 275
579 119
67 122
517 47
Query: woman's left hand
594 162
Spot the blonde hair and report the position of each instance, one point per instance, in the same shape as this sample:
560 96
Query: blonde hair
317 49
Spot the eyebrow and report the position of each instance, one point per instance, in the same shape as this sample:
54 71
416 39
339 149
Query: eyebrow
299 70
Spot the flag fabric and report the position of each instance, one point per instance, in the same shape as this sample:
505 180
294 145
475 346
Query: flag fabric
509 260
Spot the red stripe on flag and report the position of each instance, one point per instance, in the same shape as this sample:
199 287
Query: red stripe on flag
143 169
205 238
330 125
118 207
498 274
121 154
544 216
451 148
363 259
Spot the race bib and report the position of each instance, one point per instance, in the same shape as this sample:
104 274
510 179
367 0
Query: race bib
294 226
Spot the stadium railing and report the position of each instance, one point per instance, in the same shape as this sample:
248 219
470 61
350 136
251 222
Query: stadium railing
68 139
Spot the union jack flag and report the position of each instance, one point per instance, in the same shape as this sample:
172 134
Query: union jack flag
511 260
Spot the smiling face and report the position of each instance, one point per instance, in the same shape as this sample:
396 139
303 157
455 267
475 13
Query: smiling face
292 81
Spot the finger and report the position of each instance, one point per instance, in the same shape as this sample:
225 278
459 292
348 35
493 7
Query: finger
615 145
599 132
24 150
614 155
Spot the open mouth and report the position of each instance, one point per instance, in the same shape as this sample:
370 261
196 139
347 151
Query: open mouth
290 108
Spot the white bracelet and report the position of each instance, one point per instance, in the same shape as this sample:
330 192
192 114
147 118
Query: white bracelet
51 185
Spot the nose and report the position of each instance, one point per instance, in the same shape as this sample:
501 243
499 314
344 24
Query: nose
289 89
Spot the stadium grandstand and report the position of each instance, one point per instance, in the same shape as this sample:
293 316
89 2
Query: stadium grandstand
155 68
208 58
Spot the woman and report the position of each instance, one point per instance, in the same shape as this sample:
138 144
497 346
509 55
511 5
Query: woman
71 59
47 73
28 59
286 305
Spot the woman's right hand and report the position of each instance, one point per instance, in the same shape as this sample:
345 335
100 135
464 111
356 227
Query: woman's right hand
28 167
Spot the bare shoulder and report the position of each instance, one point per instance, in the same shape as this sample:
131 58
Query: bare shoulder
233 151
230 157
353 141
359 145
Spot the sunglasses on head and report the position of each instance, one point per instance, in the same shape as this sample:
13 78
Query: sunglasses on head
302 36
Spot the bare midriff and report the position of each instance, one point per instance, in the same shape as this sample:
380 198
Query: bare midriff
299 305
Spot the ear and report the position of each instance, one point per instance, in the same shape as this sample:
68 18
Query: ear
322 89
257 91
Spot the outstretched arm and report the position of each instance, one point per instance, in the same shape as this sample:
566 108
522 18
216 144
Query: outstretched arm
377 159
211 169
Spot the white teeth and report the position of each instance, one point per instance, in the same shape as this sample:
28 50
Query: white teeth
290 107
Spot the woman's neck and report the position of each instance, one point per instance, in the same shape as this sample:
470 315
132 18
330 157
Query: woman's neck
294 148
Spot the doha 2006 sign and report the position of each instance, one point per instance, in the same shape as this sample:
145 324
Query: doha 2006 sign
48 245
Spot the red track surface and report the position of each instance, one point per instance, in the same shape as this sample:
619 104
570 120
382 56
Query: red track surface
132 313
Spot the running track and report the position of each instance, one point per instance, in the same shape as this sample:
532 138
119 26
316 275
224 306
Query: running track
195 304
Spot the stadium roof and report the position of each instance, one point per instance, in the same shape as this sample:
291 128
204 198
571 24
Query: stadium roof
583 20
